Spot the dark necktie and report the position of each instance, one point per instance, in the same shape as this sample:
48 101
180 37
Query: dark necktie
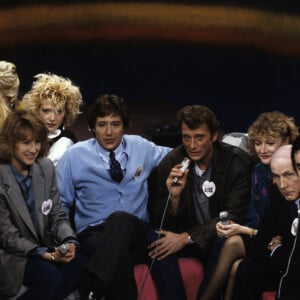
116 173
25 187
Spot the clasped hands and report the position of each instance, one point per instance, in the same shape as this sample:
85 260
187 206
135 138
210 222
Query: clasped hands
228 230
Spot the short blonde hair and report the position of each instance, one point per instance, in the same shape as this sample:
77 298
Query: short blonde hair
59 90
273 124
9 79
4 111
9 87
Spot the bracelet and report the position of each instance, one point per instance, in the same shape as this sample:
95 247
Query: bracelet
52 257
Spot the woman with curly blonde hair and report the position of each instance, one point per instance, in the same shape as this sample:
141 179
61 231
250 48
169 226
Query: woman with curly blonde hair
56 100
9 88
266 134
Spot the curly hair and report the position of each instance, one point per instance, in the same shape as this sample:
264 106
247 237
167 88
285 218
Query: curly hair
9 88
272 125
4 111
18 126
9 79
60 90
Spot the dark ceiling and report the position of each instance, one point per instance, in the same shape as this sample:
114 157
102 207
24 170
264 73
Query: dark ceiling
238 72
291 6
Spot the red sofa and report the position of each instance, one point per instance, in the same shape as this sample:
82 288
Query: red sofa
270 295
192 274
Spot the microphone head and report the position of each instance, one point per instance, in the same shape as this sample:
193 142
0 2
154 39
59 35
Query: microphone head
63 249
223 215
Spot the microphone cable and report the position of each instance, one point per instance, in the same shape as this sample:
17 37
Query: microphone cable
158 237
289 260
185 164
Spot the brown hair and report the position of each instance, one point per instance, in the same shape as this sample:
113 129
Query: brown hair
106 105
17 127
196 115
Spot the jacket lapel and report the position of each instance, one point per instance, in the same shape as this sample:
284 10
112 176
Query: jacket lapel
38 191
15 196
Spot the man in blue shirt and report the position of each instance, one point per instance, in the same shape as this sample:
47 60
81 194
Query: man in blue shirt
104 179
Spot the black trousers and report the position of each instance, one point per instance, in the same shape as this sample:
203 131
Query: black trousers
166 272
252 279
50 280
113 248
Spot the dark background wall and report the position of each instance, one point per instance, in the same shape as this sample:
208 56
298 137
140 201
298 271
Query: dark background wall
238 81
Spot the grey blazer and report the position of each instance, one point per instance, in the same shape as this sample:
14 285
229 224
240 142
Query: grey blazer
18 235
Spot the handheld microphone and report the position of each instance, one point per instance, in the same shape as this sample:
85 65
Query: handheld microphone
63 248
224 217
185 164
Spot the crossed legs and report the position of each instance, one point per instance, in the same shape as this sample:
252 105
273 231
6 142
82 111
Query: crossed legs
230 256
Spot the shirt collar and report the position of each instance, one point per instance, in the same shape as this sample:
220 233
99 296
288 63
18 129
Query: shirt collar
19 176
118 151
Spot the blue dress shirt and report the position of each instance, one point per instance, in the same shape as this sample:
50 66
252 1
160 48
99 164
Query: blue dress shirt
84 180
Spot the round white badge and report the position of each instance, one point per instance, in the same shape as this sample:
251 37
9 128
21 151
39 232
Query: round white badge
294 227
208 188
46 207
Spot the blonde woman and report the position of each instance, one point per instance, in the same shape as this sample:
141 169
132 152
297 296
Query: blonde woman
56 100
266 134
9 88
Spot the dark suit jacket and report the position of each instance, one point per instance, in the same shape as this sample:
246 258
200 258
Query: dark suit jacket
277 221
18 235
231 173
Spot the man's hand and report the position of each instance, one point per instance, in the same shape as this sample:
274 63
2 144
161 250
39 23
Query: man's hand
175 189
168 243
276 240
